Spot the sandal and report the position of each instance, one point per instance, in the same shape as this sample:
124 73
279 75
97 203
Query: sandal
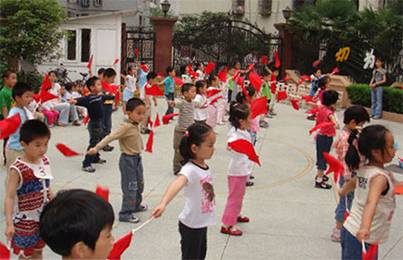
323 185
325 178
241 219
230 231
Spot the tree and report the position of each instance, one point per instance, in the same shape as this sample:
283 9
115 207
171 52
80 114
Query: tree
29 30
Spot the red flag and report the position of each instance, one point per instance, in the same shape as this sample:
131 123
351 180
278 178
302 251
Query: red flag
214 100
116 61
209 68
166 118
316 63
120 246
212 92
109 88
246 93
46 96
399 190
264 60
103 192
295 103
281 95
258 106
335 71
222 75
154 90
4 252
250 67
335 166
245 147
277 62
240 81
46 83
256 81
157 122
306 98
319 126
346 214
9 125
305 78
371 253
273 87
86 119
66 151
149 122
136 52
37 98
178 81
144 68
89 64
150 141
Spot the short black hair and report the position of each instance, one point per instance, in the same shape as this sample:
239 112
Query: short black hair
109 73
129 68
169 69
101 71
323 81
356 113
330 97
265 73
186 87
195 135
238 112
74 216
7 73
69 86
20 88
52 72
133 103
200 84
33 129
91 81
151 75
241 97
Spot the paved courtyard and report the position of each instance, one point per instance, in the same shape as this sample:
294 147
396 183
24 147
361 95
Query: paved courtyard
289 218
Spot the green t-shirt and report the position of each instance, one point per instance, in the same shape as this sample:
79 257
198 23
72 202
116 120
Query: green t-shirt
266 92
5 98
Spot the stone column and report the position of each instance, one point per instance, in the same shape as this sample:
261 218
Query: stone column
163 28
286 52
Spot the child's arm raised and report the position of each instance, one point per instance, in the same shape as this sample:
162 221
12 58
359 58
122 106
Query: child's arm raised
377 185
114 135
12 184
171 192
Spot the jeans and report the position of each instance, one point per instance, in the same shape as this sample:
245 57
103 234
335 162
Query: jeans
193 242
96 132
323 144
107 120
132 184
177 161
64 110
4 145
170 97
351 248
343 204
73 113
376 101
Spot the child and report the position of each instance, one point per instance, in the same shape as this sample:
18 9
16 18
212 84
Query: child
314 83
238 170
186 118
197 145
151 80
128 92
200 114
215 110
377 81
130 164
142 76
9 81
23 95
266 92
88 236
354 118
94 104
374 198
71 92
317 100
28 191
199 71
108 79
324 139
169 88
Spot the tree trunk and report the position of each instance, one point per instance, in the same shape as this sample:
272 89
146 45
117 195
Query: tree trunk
13 63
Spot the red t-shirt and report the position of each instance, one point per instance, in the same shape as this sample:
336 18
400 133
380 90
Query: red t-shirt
323 116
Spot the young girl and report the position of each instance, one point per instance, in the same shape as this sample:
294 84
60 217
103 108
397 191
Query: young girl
238 170
374 199
28 191
377 81
130 88
354 118
200 114
197 145
324 139
215 110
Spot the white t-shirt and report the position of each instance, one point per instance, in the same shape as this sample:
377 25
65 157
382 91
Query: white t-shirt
199 197
131 83
239 164
201 104
55 89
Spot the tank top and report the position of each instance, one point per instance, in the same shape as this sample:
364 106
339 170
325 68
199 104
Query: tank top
380 226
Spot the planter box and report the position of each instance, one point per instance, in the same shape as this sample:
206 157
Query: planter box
395 117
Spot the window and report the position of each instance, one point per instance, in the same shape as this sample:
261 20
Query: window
97 3
71 44
265 7
85 3
85 44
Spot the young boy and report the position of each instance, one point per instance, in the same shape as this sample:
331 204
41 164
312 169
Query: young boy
77 224
23 95
94 104
151 80
186 118
9 81
169 88
130 165
109 76
315 82
377 81
130 88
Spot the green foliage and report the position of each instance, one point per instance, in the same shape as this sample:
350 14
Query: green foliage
34 79
360 94
29 29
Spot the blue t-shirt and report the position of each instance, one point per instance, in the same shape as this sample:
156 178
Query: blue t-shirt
14 139
169 85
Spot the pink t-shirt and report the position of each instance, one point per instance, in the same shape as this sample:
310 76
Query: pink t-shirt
323 116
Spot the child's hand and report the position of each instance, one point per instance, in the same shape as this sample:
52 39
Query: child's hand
158 211
171 103
72 101
363 234
10 230
92 151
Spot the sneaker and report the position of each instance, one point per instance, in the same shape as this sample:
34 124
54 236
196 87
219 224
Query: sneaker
132 219
322 185
311 117
335 236
108 148
273 114
88 169
252 177
76 123
263 124
376 117
100 161
325 178
249 183
141 208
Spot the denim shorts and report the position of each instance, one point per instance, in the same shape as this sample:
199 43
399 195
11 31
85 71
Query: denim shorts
351 248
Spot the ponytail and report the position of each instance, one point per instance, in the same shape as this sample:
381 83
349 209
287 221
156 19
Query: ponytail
352 156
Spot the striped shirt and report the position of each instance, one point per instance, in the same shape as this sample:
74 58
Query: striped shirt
186 114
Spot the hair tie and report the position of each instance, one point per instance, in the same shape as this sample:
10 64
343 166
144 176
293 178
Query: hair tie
186 133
